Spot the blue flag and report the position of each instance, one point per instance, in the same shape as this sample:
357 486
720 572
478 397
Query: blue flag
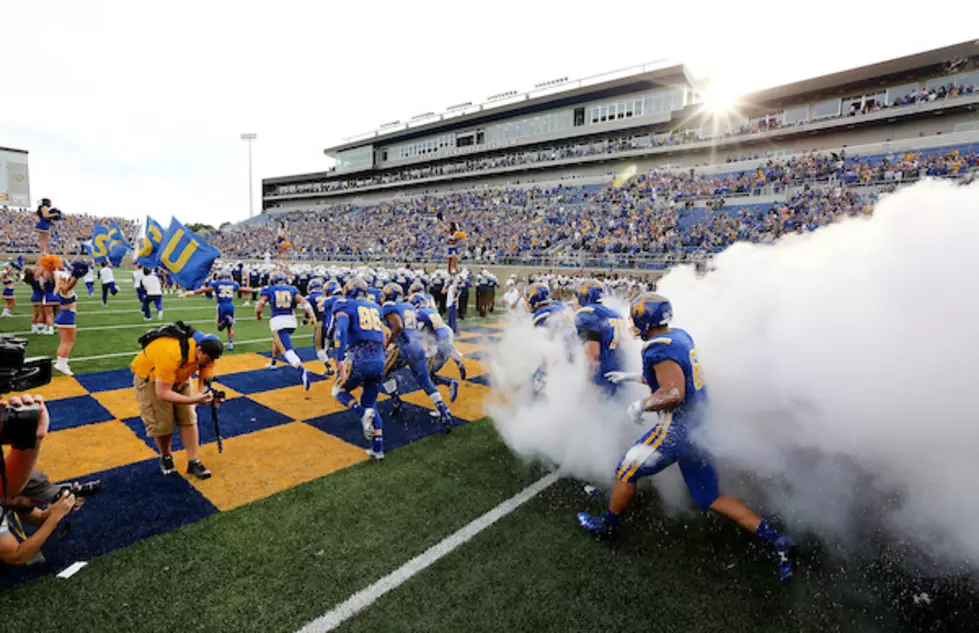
118 244
149 246
98 246
186 256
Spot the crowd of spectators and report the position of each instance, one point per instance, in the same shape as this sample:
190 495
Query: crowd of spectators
649 217
661 215
17 234
616 144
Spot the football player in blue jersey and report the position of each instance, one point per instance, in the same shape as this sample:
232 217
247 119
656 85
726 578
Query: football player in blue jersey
602 329
439 339
407 351
283 298
551 314
360 359
224 290
322 297
678 397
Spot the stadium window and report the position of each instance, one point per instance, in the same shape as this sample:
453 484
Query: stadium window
480 138
595 112
579 117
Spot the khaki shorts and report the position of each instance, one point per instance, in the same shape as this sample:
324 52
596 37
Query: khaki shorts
159 417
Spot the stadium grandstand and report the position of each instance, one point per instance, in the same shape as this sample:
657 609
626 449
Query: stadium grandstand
537 177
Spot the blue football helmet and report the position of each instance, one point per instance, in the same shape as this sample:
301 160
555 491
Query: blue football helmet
356 288
224 275
315 284
650 310
537 295
416 287
277 278
589 292
332 288
418 299
392 292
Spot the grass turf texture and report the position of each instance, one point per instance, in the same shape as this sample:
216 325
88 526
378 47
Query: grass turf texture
276 563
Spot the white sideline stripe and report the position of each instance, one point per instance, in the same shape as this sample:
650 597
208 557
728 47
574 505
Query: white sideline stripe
118 354
133 311
367 596
122 327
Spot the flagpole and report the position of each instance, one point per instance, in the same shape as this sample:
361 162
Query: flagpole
251 193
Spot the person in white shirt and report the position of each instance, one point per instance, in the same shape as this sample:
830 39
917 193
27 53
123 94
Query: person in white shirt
512 295
452 303
137 278
108 282
152 293
89 280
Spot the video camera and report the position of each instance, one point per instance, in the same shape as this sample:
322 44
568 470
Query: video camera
18 425
87 489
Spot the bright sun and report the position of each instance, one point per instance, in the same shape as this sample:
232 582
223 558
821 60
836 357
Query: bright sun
720 99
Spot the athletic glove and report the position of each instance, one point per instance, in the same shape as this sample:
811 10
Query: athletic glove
619 377
635 412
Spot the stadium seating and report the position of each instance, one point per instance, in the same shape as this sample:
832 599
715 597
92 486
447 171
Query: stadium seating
618 144
17 233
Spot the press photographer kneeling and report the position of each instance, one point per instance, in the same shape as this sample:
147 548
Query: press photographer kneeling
24 423
162 371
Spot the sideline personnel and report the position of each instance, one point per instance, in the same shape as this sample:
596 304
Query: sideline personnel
166 398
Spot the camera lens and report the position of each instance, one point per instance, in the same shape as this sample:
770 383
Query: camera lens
20 425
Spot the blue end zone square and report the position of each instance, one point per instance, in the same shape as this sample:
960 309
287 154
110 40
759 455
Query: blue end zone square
412 424
68 413
479 329
481 380
305 354
478 356
106 380
136 502
236 417
259 380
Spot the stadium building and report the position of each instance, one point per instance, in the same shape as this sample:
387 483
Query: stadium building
650 116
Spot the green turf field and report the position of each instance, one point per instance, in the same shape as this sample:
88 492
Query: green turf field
276 563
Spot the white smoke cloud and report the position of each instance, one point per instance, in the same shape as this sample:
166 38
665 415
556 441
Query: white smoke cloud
842 366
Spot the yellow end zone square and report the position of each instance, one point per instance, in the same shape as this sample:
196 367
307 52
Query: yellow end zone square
469 405
469 348
83 450
473 368
235 363
121 403
252 466
60 387
304 405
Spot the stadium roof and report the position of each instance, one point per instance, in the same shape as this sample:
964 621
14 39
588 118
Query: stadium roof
544 96
880 71
13 149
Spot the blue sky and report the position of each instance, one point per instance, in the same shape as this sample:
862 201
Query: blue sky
129 108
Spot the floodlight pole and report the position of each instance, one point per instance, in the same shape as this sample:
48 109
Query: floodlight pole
251 189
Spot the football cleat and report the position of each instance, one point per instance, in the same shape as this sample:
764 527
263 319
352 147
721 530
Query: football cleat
305 379
376 455
453 390
597 525
462 369
785 553
367 422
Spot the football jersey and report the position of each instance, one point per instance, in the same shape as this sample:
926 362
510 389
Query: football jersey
318 300
281 298
375 294
409 321
604 325
554 314
364 323
676 345
430 322
224 291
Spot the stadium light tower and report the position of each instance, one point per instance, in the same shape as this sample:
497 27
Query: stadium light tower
251 189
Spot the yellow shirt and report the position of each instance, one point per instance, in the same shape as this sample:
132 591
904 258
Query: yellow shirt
161 360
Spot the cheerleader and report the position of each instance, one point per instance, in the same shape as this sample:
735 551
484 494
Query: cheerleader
456 237
37 298
45 215
9 300
281 243
68 314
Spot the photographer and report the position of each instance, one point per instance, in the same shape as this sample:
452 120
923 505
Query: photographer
23 509
162 371
25 433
